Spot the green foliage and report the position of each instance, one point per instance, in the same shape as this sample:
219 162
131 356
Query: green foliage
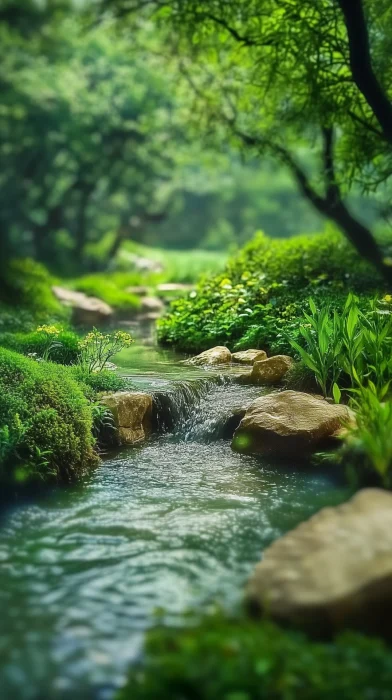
63 348
243 660
28 283
103 422
96 349
258 300
97 382
353 345
83 153
368 444
111 287
45 422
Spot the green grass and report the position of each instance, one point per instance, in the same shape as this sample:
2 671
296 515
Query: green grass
65 350
111 288
182 266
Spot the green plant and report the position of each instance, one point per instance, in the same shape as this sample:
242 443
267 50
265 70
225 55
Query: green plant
97 348
45 421
368 443
322 335
241 659
61 347
352 344
49 335
103 421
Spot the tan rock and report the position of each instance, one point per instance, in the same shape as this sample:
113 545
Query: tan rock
333 571
138 290
152 305
219 355
288 423
271 370
86 311
176 287
132 412
248 357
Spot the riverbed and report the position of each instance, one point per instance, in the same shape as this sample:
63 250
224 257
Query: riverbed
154 531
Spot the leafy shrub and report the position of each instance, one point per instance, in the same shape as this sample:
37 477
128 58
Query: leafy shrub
367 449
63 348
45 421
245 660
258 299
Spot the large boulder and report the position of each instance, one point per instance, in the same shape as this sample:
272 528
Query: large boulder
132 413
248 357
220 355
86 311
288 423
333 571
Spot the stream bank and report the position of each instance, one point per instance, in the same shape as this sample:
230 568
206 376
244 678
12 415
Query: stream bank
174 524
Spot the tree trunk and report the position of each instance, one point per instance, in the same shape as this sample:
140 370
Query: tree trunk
361 65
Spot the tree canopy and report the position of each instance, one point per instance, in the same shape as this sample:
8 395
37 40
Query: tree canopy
277 74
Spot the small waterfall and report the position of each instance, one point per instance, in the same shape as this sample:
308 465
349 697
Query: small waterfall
202 410
174 406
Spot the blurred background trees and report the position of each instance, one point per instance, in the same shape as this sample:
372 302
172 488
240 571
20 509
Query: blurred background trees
163 129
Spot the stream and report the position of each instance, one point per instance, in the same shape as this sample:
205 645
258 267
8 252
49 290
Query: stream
172 525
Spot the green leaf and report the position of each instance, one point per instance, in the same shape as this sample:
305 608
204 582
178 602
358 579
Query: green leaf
337 394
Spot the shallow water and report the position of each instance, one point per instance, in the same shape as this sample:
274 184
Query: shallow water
175 524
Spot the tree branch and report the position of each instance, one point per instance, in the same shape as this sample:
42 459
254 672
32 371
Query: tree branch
331 204
361 65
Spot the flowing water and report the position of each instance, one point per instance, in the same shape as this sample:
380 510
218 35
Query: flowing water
175 524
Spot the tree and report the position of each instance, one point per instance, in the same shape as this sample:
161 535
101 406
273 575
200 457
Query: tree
276 73
88 138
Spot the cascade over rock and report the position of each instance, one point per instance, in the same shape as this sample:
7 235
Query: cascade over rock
288 423
132 412
248 357
333 571
220 355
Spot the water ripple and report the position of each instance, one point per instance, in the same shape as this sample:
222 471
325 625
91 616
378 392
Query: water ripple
174 524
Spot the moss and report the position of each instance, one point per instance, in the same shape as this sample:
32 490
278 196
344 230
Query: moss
244 660
45 422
